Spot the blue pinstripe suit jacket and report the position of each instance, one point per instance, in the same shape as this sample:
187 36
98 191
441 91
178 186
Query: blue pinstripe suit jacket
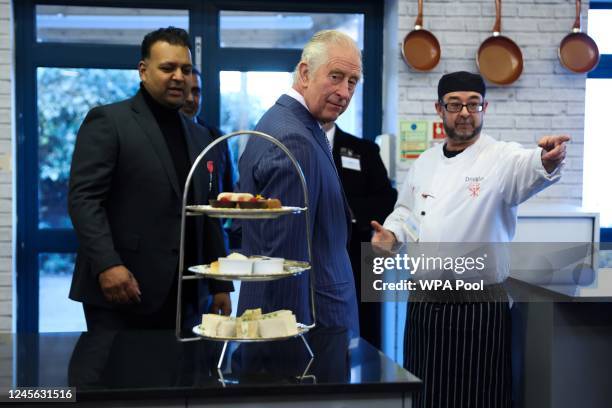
266 170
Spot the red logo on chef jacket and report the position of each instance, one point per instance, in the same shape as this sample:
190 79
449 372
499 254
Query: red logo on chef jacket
474 189
438 131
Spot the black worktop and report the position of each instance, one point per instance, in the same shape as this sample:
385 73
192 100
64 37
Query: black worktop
153 364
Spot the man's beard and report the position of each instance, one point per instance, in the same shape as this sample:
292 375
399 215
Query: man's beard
452 134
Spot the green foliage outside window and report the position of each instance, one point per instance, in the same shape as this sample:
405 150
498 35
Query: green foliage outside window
65 95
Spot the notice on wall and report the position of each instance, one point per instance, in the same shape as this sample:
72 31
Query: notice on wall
438 134
412 141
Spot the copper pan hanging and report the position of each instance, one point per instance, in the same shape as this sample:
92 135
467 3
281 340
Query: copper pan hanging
577 51
499 59
421 49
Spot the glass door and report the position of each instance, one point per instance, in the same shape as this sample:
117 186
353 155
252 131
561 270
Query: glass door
65 95
79 56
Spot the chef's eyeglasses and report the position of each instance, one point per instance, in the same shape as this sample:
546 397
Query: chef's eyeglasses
454 107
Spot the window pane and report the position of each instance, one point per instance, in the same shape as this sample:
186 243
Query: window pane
597 145
351 120
245 97
65 95
600 29
57 313
270 29
103 25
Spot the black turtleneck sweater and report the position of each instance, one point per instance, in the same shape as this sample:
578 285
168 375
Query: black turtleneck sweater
449 154
169 122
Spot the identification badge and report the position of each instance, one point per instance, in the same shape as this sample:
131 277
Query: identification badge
412 226
351 163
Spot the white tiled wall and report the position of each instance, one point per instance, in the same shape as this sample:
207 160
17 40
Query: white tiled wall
546 99
6 166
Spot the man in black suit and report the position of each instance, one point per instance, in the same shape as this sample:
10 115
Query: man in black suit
127 178
370 197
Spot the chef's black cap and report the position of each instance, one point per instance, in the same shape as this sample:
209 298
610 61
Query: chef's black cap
461 81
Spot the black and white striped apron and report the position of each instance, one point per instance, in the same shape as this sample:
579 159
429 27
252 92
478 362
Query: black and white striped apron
460 347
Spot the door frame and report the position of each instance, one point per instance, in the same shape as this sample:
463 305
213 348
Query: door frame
204 21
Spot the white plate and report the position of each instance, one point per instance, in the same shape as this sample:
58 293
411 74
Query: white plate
301 330
243 213
290 268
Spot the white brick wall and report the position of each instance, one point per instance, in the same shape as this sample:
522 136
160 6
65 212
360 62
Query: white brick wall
6 361
6 165
546 98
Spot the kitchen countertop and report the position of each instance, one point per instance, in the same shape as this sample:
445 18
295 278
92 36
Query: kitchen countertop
574 279
557 249
152 364
601 291
529 209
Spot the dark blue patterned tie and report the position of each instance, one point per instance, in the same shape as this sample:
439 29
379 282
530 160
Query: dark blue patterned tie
321 133
329 146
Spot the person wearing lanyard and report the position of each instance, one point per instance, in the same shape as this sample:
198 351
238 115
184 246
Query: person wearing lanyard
466 189
371 197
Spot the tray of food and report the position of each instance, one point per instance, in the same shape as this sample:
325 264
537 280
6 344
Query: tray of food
243 205
255 268
252 326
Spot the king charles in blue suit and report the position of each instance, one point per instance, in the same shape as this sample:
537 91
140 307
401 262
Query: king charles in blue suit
324 83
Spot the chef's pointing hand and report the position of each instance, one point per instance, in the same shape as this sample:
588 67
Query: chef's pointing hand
553 151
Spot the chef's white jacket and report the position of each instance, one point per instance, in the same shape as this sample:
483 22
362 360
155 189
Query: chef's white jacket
472 197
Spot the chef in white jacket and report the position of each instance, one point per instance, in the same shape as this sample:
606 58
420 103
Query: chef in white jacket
466 190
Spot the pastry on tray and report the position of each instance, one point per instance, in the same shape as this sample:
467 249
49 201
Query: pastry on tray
273 203
256 202
230 200
244 201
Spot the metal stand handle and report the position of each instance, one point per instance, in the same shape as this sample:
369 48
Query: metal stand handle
304 376
197 161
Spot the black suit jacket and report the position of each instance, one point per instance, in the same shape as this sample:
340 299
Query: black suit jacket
368 190
125 203
371 197
226 169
